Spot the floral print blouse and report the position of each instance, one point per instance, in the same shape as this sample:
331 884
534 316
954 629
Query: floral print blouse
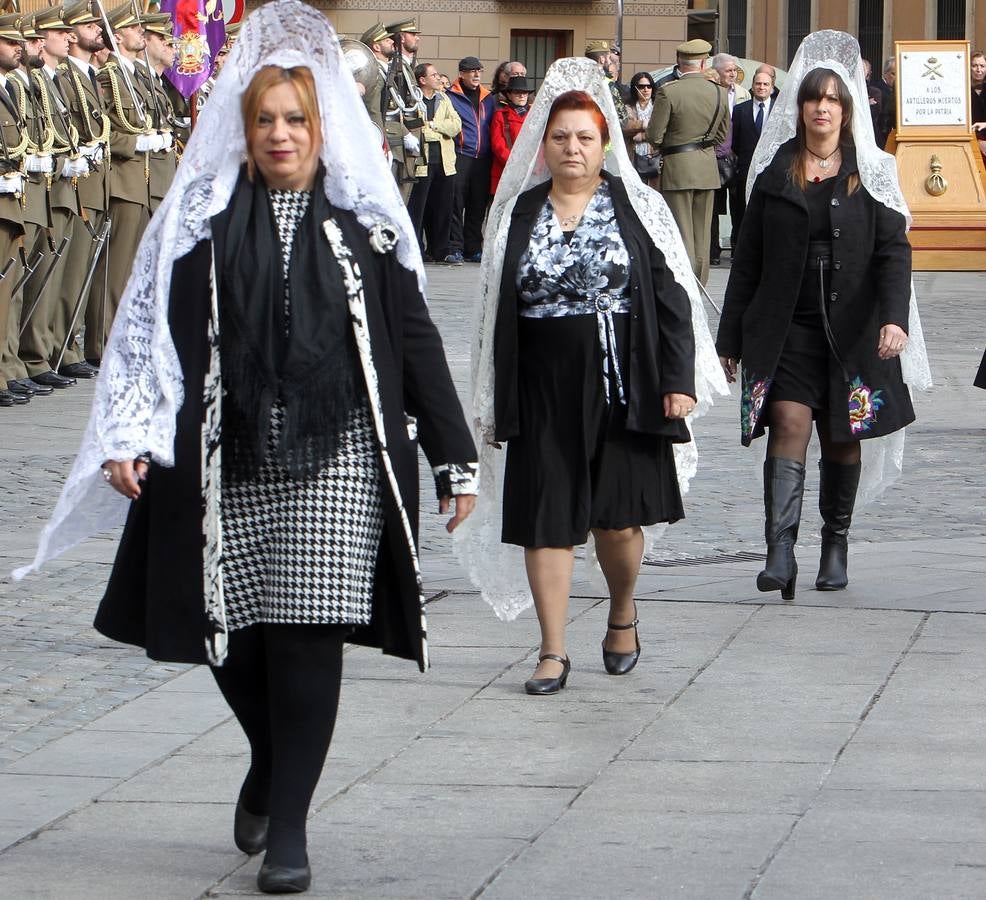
586 275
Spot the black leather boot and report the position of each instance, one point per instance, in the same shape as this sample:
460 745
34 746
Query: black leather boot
836 499
783 488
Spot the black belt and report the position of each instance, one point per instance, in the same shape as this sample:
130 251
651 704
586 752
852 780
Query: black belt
684 148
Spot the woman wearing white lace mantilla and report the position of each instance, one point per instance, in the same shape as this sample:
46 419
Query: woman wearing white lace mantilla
585 364
824 322
259 427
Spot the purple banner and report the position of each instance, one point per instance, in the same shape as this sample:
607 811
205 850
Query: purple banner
199 32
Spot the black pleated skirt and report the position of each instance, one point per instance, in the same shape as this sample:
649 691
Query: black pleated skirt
802 374
574 466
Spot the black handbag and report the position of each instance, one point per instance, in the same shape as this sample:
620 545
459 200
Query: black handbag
648 166
728 169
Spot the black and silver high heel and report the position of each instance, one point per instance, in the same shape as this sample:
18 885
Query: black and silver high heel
550 685
621 663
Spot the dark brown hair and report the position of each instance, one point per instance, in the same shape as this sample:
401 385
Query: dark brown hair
578 100
269 76
814 86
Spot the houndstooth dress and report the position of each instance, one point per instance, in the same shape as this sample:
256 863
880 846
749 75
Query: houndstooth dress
304 551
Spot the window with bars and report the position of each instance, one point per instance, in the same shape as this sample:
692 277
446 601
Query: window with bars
951 20
798 25
871 33
539 49
736 13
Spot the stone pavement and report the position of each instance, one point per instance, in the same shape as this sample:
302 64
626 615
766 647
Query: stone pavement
827 748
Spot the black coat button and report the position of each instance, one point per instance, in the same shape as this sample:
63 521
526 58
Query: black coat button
837 265
835 202
835 232
833 296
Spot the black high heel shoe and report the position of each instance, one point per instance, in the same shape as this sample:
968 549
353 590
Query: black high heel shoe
249 831
621 663
550 685
284 879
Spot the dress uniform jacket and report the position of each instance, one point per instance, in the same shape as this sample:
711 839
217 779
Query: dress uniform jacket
52 106
373 100
36 211
130 170
163 163
88 114
11 228
685 111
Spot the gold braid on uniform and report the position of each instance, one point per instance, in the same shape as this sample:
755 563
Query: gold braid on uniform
110 70
46 107
19 150
87 114
44 128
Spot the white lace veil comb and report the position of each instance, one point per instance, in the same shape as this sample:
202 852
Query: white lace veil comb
139 389
497 569
882 457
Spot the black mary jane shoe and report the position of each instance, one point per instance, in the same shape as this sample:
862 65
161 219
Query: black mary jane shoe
550 685
249 830
284 879
621 663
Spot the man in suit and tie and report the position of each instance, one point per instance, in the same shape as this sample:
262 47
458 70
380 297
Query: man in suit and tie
748 121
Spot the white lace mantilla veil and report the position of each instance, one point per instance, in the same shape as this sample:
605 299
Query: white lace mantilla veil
883 457
497 569
139 389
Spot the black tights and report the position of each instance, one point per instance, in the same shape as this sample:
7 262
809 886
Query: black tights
789 431
282 683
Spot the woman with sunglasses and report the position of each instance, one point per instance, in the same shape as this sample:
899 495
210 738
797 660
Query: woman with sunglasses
645 160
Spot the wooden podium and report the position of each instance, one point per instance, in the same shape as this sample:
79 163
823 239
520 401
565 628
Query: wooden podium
938 160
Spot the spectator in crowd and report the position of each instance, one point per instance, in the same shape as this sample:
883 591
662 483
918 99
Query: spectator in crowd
645 160
749 118
888 111
977 65
446 81
507 121
615 71
430 204
874 94
769 70
475 106
504 72
600 53
728 69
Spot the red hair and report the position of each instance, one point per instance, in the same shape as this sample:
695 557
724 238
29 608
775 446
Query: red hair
582 102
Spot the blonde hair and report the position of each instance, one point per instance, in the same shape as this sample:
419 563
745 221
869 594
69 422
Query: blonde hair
268 77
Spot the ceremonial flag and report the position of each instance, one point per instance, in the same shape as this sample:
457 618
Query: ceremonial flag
200 32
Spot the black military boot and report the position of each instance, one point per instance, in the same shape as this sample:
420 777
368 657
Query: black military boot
783 488
836 499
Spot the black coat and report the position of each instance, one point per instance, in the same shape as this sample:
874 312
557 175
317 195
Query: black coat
870 288
662 344
155 596
745 134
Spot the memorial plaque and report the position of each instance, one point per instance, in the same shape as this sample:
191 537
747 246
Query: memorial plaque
933 87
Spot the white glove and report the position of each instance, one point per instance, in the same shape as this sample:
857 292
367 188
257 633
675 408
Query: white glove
169 140
74 168
411 144
33 162
93 152
12 183
148 142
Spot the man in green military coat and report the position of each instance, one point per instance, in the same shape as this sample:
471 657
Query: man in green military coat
691 116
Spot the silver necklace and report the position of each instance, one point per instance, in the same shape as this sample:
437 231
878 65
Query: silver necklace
823 162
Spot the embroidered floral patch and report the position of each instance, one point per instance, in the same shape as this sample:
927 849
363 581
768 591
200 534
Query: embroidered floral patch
863 404
754 396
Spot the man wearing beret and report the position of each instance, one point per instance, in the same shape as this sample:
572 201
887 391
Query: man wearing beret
690 117
475 106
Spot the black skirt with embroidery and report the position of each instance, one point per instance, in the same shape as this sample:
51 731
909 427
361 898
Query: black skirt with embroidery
574 466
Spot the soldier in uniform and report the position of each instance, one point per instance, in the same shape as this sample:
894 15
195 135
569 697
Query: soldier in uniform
87 113
129 104
690 117
599 52
45 332
373 96
13 147
160 53
407 38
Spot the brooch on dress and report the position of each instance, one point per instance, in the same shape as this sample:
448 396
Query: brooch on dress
383 237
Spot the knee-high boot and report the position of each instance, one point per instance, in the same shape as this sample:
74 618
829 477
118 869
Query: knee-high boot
836 499
783 489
